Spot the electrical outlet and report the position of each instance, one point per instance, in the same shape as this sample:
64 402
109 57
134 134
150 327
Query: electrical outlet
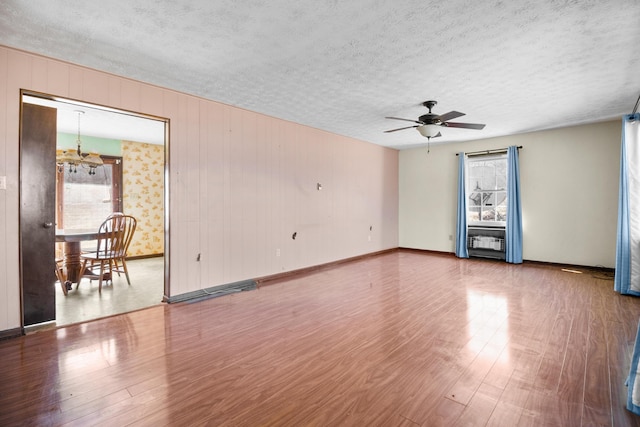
277 252
369 237
3 182
450 236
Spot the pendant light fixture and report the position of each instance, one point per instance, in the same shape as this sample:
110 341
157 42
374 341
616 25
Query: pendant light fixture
73 158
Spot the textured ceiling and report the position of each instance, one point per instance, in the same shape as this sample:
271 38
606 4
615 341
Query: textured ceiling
342 66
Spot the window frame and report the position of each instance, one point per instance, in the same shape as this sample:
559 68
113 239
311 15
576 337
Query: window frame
469 191
116 187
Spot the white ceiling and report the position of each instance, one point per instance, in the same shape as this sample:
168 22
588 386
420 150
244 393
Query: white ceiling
101 122
342 66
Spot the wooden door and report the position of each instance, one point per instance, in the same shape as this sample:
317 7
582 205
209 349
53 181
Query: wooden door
37 212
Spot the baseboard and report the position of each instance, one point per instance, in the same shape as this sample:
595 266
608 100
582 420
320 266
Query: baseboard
526 261
428 251
11 333
571 266
262 281
131 258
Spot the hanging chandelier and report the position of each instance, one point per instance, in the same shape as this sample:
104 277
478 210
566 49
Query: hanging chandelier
73 158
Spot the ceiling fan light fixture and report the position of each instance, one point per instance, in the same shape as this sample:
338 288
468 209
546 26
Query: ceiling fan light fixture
428 131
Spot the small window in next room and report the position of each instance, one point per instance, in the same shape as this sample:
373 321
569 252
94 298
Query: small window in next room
487 190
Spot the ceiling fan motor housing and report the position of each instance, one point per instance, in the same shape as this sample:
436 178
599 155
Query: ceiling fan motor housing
429 119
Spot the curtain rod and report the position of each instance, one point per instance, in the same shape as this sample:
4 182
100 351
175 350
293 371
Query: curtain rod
635 109
484 152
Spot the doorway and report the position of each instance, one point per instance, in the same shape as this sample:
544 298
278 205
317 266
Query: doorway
130 178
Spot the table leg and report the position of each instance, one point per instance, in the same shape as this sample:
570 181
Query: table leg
72 261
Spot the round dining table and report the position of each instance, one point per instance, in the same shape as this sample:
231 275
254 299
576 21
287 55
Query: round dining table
72 240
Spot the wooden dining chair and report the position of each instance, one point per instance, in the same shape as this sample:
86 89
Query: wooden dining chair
119 263
61 275
61 272
114 237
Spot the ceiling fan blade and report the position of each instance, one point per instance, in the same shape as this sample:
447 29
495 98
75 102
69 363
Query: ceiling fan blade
393 130
406 120
464 125
450 115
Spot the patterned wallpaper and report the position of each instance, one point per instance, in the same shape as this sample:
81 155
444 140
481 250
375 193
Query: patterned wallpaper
143 189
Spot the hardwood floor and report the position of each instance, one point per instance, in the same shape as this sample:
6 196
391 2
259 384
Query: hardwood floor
399 339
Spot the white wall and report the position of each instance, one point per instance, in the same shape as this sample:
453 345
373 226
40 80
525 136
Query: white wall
240 183
569 184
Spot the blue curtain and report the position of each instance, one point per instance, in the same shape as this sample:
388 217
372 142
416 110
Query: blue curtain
461 222
513 232
627 278
627 251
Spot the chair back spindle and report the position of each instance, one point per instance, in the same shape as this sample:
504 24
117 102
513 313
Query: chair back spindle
115 235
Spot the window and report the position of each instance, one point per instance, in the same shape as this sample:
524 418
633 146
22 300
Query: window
83 200
487 190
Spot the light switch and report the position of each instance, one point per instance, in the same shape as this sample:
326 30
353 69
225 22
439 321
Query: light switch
3 182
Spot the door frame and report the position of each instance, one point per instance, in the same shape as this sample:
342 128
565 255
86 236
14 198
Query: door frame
166 195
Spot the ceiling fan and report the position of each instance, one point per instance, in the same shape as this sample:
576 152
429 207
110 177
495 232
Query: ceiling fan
429 124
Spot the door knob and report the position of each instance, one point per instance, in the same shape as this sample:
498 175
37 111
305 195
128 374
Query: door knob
47 225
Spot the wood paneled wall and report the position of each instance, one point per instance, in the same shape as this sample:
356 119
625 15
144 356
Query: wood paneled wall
240 183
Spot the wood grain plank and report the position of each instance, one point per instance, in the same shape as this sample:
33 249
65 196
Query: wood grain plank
548 374
597 389
620 351
378 341
444 413
481 406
